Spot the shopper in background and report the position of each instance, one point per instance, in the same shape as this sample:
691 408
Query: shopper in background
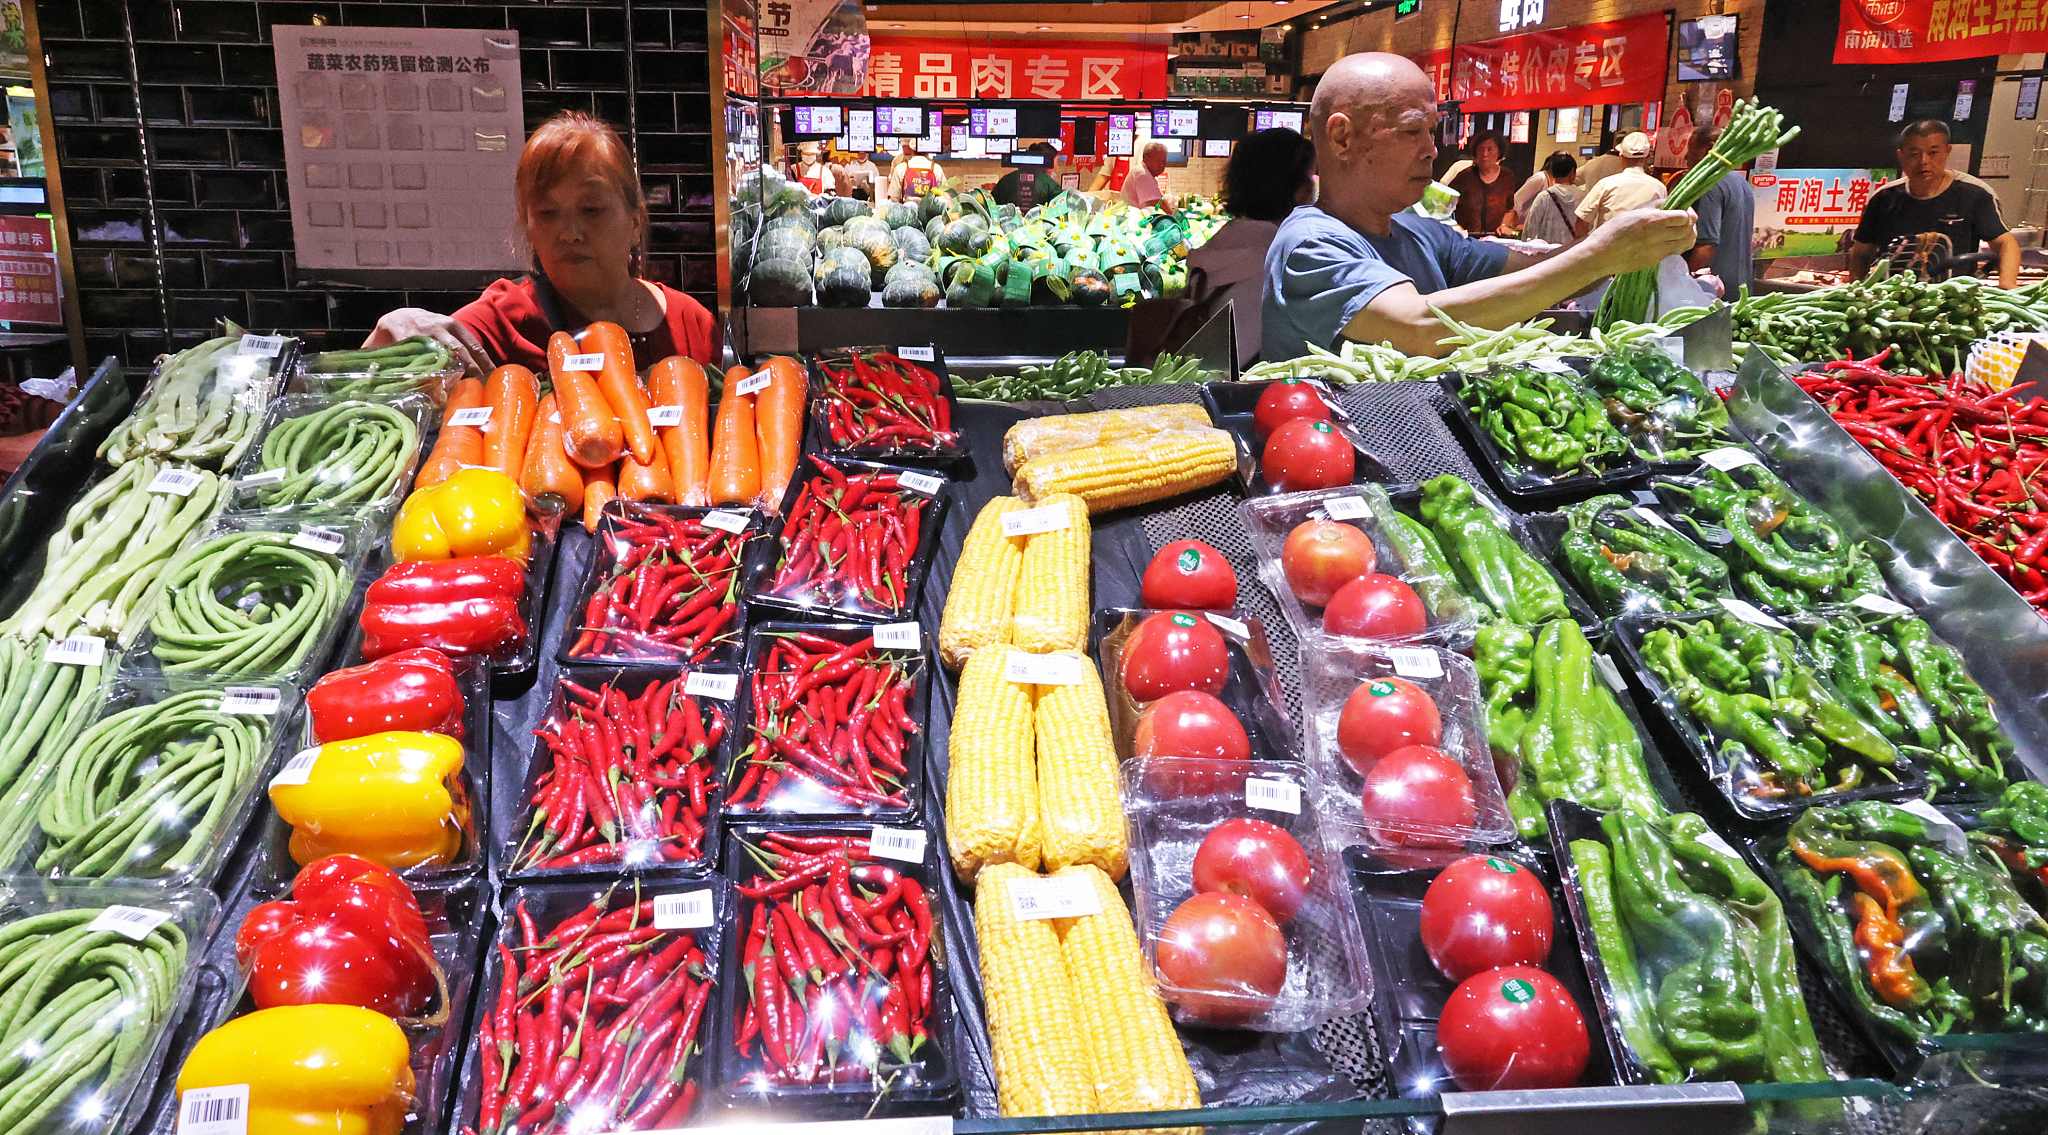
1269 174
1632 188
1932 199
577 205
854 176
1029 186
912 175
1357 265
1545 203
1141 188
1599 168
1486 190
1727 220
809 170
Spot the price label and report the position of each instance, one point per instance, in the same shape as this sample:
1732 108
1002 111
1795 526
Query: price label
690 910
1347 508
664 415
1881 604
326 541
266 477
177 482
724 687
1609 673
1730 457
1749 613
1673 347
471 416
1068 896
1273 795
1416 662
134 922
930 484
1713 839
726 520
904 844
1939 826
592 362
298 770
899 636
917 354
214 1111
265 345
1232 626
1032 521
1648 517
250 701
754 383
1027 669
78 650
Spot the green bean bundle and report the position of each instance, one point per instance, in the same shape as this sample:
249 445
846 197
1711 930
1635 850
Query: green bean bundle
203 407
1077 375
41 702
79 1008
349 453
1928 327
246 603
144 792
414 364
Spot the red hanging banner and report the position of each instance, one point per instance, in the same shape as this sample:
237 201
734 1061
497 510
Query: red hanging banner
1621 61
1926 31
908 67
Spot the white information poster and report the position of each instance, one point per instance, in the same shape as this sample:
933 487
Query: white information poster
400 145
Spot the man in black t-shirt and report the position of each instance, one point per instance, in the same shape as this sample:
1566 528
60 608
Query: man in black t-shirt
1931 199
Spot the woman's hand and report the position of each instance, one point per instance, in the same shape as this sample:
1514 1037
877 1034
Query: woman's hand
409 321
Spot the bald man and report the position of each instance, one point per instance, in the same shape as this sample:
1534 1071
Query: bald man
1356 265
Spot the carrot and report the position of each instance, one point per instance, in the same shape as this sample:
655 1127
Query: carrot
510 393
735 452
679 381
621 387
550 478
650 482
591 434
779 421
458 446
599 487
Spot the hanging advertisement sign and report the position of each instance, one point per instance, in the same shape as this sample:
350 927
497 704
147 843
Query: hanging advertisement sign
741 58
817 47
1805 212
1620 61
914 67
1926 31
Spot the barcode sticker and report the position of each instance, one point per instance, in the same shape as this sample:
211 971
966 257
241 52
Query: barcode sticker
690 910
134 922
1881 604
1554 366
899 636
590 362
177 482
726 520
1273 795
904 844
754 383
1730 457
1939 826
1235 627
250 701
1713 839
930 484
1065 896
1609 672
1673 346
724 687
298 770
1347 508
664 415
1749 613
1029 669
266 345
1032 521
1649 517
223 1110
326 541
266 477
917 354
78 650
471 416
1416 662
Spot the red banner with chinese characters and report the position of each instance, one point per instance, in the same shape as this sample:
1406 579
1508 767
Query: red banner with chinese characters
1925 31
1621 61
28 271
907 67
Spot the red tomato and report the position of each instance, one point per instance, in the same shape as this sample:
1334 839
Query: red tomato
1174 651
1189 575
1304 455
1375 606
1321 556
1225 958
1287 400
1383 715
1512 1028
1199 727
1418 797
1483 912
1257 860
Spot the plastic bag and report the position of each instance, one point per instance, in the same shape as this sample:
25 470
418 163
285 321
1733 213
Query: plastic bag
204 403
416 365
321 454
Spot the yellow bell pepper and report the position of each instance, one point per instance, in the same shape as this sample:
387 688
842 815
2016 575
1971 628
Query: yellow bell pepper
388 797
475 512
331 1069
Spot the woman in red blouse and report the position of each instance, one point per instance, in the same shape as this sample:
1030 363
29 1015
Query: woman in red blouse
579 208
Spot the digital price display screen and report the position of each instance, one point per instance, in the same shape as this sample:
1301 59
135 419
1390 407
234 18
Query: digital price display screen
819 120
900 121
860 131
1170 122
992 122
1123 136
1215 147
1277 120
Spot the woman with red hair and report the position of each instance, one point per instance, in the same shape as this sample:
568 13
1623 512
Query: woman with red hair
580 210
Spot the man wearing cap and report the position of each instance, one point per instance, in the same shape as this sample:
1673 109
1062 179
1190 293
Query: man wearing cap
1359 265
1598 169
1632 188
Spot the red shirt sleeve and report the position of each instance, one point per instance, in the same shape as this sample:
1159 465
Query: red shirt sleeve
509 322
691 328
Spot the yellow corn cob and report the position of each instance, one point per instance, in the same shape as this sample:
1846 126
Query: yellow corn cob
992 788
1034 1026
1052 589
1080 808
1121 474
984 590
1138 1062
1057 433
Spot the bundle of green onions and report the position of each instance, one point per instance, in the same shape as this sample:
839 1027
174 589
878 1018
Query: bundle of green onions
1751 131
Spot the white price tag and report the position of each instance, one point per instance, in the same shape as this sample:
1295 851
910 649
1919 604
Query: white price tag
250 701
1273 795
1032 521
1609 673
177 482
214 1111
78 650
724 687
930 484
1749 613
1027 669
1347 508
1673 347
471 416
1730 457
266 345
134 922
1068 896
266 477
323 540
1228 625
1713 839
1938 825
754 383
903 844
1416 662
1883 605
899 636
917 354
592 362
690 910
664 415
298 770
728 521
1649 517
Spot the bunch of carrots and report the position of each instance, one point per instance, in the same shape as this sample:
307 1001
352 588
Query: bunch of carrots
590 435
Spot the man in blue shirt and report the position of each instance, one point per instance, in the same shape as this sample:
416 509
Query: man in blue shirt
1727 220
1355 265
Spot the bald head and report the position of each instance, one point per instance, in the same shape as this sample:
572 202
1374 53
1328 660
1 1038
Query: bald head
1364 85
1373 121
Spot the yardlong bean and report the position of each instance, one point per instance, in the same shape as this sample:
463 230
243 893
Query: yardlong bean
246 603
349 453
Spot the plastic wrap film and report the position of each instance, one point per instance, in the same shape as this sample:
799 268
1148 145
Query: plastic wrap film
1053 598
416 365
983 594
1059 433
1120 474
203 404
992 810
1248 686
1666 412
1080 804
1043 1063
662 586
321 454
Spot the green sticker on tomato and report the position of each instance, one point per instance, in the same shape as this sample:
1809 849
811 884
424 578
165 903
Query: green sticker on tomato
1322 427
1184 620
1381 689
1500 865
1518 991
1190 560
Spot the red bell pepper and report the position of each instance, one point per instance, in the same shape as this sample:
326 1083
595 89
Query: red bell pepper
468 605
352 934
412 690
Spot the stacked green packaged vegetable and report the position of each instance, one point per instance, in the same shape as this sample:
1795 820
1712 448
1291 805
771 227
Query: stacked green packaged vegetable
340 455
1783 553
1628 560
203 404
416 365
1065 251
1667 413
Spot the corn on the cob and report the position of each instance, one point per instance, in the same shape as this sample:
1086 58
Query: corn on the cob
1057 433
984 591
1052 587
1034 1026
1080 807
1120 474
992 787
1138 1062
